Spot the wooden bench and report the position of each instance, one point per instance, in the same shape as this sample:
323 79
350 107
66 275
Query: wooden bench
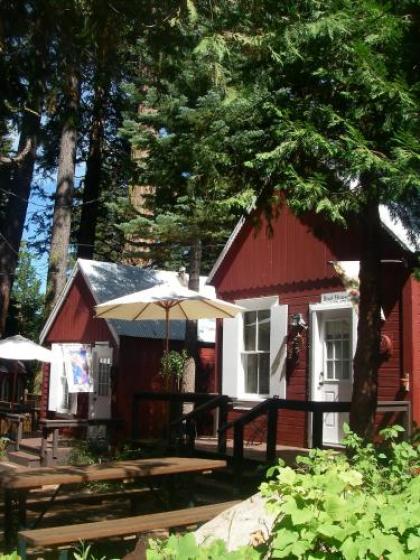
17 485
71 534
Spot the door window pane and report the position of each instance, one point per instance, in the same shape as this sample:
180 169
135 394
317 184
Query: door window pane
337 348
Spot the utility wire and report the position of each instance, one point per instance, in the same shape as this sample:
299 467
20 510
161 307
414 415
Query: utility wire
29 201
9 244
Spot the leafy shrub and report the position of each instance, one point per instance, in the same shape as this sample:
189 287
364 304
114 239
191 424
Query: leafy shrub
12 556
186 548
172 367
362 506
3 445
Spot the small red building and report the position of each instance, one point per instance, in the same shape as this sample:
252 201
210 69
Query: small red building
297 338
124 355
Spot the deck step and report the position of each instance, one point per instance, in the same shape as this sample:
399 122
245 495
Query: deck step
23 458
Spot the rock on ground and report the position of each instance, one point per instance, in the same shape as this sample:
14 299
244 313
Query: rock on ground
244 524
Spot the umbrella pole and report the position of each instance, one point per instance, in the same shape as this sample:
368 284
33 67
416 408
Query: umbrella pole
167 328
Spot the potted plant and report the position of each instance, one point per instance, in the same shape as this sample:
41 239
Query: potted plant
172 368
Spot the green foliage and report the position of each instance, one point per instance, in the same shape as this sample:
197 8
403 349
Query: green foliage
11 556
361 506
172 367
184 133
83 552
26 306
365 505
185 548
3 445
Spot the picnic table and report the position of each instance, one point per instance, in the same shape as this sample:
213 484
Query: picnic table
17 485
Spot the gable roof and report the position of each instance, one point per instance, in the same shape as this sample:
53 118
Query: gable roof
409 241
111 280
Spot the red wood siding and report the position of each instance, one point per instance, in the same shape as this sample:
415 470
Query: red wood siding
75 321
411 350
139 371
291 259
415 372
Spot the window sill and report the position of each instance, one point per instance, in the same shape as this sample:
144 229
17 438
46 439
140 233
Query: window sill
247 404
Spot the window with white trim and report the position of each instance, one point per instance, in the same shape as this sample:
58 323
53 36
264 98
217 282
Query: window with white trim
337 350
103 387
256 352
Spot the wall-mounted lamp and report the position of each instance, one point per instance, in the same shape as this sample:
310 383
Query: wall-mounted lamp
297 326
297 321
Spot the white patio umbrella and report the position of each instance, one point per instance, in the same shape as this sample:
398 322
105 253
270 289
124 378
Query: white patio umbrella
20 348
166 303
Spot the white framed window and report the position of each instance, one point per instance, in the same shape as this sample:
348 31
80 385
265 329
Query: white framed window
103 380
256 353
255 349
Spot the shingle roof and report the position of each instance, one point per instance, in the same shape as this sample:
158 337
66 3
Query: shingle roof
111 280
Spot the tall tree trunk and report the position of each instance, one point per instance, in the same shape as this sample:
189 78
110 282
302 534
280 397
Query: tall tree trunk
366 359
91 190
15 212
61 227
191 334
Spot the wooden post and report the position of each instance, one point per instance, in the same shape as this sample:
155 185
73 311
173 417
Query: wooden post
44 447
55 444
190 434
8 516
222 419
271 434
317 427
19 433
238 454
238 442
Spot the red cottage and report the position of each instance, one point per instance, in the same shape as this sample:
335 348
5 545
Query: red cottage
297 278
125 354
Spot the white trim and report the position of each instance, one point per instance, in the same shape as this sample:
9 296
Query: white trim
52 316
316 348
392 226
228 245
89 285
256 304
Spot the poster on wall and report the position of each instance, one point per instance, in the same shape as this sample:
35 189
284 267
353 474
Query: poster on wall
78 366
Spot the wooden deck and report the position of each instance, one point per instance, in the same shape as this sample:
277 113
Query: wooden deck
254 451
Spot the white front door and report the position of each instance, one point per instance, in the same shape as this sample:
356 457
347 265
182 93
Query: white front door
332 349
100 398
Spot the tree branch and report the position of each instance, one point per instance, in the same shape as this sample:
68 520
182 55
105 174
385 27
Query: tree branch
18 158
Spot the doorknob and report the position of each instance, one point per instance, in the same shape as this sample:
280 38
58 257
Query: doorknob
321 378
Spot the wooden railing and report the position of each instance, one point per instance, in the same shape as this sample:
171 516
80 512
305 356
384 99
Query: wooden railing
173 399
270 408
219 403
53 426
18 420
15 421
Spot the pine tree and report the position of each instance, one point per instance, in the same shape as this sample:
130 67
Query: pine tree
27 302
335 88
